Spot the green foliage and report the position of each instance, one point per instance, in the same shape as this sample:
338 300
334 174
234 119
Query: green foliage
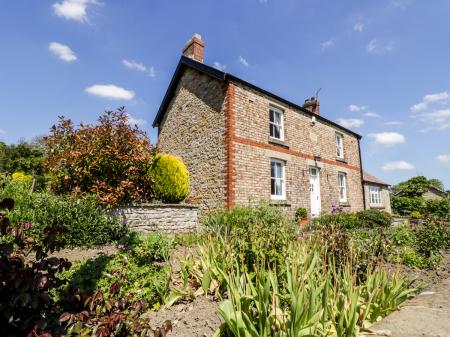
24 157
371 218
432 236
438 207
109 159
253 232
316 303
148 248
301 213
138 261
170 178
84 223
406 205
414 187
415 215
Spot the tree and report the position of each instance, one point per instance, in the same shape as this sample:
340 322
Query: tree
110 159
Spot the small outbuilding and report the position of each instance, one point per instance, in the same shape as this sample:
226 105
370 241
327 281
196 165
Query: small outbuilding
376 193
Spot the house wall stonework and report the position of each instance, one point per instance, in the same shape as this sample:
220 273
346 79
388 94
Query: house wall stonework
194 129
221 131
385 198
302 142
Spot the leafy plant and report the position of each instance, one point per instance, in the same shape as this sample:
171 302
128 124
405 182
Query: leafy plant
84 222
25 302
415 215
110 159
112 316
170 178
301 213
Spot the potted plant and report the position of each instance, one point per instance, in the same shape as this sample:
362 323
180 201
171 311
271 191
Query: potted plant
301 216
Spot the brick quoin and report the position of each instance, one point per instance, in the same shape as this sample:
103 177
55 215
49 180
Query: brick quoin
229 143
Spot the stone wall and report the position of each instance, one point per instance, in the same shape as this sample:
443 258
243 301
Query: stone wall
385 198
194 129
179 218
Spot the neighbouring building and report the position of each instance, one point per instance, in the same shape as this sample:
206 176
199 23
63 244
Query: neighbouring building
243 144
376 193
432 193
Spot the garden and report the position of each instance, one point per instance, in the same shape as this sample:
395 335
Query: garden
250 271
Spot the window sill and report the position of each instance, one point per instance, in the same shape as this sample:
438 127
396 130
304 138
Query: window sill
278 142
342 160
279 203
344 204
377 206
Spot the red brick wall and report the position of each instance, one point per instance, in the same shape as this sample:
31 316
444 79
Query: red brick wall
253 152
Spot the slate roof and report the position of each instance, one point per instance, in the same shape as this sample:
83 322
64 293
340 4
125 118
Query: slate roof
367 177
186 62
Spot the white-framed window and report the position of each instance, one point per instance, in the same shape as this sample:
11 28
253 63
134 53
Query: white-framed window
277 179
339 145
342 182
276 124
375 195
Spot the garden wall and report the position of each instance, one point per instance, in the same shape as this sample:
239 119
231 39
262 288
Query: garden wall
168 218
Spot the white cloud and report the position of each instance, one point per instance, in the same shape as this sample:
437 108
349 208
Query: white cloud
444 158
219 66
388 138
73 9
356 108
350 122
131 64
429 99
110 91
62 51
374 46
327 44
393 123
2 132
397 165
243 61
136 121
372 114
358 27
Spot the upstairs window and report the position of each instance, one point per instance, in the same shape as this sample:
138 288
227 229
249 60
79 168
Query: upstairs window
339 146
375 195
277 180
276 127
342 181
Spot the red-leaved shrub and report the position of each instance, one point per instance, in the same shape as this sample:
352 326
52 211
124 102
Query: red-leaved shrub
110 159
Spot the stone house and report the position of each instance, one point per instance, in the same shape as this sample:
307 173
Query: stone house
376 193
243 144
432 193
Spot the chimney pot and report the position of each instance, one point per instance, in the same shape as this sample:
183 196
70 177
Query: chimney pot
194 48
312 104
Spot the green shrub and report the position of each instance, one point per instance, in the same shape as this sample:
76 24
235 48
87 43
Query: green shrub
259 232
301 213
406 205
372 218
84 222
170 178
432 236
438 207
340 220
415 215
148 248
144 281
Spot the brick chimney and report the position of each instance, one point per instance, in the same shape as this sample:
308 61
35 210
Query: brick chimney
194 48
312 104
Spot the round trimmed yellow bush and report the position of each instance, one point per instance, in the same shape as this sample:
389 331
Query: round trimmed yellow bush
170 178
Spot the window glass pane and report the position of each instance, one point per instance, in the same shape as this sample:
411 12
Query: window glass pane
272 169
272 187
276 133
277 118
271 117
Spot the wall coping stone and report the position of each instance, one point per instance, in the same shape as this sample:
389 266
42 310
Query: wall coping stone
156 205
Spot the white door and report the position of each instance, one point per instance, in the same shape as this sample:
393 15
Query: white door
314 187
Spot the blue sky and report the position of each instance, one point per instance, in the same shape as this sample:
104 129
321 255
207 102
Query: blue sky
383 66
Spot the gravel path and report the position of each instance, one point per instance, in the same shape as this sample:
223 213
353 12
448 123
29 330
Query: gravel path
426 315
